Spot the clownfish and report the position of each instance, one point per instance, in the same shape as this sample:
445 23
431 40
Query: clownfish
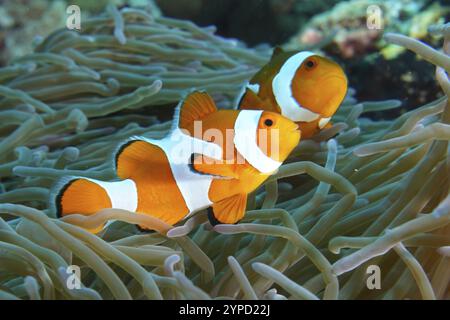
302 86
185 172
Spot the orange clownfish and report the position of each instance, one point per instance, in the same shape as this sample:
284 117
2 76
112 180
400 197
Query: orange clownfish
181 174
302 86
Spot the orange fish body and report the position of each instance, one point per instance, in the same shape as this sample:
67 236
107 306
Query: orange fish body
302 86
190 169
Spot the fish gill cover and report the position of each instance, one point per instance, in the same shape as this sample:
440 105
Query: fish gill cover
360 194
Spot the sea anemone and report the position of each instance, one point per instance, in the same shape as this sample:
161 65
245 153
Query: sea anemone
359 195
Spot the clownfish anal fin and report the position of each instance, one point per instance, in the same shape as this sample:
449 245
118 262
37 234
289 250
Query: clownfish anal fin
251 101
195 107
206 165
229 210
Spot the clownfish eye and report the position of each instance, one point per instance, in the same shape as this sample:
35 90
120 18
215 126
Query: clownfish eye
268 122
310 64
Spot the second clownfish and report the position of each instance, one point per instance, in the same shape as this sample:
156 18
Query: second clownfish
157 179
302 86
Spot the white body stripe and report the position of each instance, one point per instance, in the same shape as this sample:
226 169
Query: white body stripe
245 134
282 89
123 194
179 147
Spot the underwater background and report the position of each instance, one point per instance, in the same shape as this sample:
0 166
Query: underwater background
370 192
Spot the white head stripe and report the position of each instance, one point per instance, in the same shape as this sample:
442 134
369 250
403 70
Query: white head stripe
282 89
245 134
123 194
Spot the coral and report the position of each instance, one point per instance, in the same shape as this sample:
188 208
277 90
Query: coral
376 194
349 21
24 22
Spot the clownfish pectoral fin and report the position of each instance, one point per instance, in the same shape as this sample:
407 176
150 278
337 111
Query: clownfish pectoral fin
229 210
206 165
195 107
251 101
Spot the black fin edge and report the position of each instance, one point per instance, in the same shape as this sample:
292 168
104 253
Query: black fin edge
212 219
58 197
142 230
120 150
191 167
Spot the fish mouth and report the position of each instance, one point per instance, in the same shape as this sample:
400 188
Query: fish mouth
334 77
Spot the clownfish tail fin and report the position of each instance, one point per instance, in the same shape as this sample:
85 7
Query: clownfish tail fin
79 195
56 193
76 195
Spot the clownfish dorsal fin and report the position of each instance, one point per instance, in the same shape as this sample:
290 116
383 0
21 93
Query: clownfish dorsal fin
132 154
229 210
276 51
251 101
196 106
